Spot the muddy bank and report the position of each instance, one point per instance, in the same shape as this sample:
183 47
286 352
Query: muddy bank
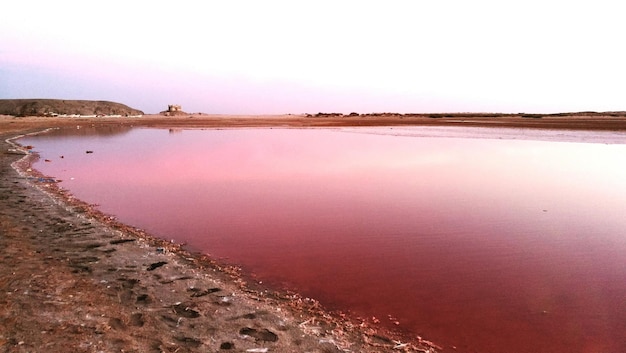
73 279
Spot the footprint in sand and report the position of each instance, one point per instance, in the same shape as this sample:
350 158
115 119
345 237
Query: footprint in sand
156 265
262 335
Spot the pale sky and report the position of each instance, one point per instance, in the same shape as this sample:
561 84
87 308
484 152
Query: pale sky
269 57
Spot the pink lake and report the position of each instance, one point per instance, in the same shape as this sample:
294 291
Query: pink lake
481 240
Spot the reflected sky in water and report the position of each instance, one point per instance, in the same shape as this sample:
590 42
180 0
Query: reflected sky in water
484 239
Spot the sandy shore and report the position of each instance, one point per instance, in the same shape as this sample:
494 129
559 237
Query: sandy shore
75 280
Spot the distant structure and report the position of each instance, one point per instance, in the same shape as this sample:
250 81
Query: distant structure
173 108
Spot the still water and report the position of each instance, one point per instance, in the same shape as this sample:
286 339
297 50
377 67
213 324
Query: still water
487 240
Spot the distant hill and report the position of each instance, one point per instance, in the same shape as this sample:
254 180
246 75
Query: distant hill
42 107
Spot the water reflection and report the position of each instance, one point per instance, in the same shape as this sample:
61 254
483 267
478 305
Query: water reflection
484 244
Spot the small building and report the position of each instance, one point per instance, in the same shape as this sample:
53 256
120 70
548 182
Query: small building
173 108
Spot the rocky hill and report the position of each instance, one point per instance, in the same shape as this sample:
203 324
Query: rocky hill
43 107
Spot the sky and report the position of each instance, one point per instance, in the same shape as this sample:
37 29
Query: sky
279 57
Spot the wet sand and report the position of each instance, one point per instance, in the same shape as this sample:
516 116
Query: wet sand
73 279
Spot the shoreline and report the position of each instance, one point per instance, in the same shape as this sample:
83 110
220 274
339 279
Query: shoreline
81 281
128 282
548 122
